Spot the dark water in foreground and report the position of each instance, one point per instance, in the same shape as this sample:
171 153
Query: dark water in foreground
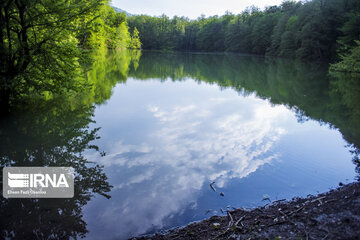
170 124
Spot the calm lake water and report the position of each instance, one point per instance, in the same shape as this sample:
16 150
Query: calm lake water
171 124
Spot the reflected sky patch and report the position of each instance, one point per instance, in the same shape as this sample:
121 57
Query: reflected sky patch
165 142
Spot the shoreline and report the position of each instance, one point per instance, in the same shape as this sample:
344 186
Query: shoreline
331 215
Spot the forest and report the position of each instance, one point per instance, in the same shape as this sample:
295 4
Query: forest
45 44
308 30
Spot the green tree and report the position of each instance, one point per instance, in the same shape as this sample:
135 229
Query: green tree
350 61
135 40
39 45
303 29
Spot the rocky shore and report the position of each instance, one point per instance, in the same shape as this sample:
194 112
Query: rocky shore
331 215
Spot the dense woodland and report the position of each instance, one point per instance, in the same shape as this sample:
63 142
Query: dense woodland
42 43
45 44
308 30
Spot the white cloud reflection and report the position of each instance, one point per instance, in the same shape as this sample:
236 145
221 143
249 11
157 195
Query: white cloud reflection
189 146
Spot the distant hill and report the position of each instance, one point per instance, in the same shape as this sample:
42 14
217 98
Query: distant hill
119 10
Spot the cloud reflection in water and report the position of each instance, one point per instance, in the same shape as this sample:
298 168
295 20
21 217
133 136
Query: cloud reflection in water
189 146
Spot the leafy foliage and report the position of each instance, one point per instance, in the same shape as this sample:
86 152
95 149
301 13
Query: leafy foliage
41 41
350 62
305 30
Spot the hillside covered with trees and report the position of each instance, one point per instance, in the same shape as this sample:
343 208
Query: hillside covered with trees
42 42
310 30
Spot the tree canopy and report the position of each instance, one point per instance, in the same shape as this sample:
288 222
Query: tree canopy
308 30
42 42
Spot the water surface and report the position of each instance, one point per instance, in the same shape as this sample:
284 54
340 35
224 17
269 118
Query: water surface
171 124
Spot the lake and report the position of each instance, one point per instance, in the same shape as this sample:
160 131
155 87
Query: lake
167 125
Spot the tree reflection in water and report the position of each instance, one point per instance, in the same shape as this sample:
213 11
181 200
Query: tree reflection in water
306 88
50 133
56 132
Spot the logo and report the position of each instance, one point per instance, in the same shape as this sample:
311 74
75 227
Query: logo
38 182
18 180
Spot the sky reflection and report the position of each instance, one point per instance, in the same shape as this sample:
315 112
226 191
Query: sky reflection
165 142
